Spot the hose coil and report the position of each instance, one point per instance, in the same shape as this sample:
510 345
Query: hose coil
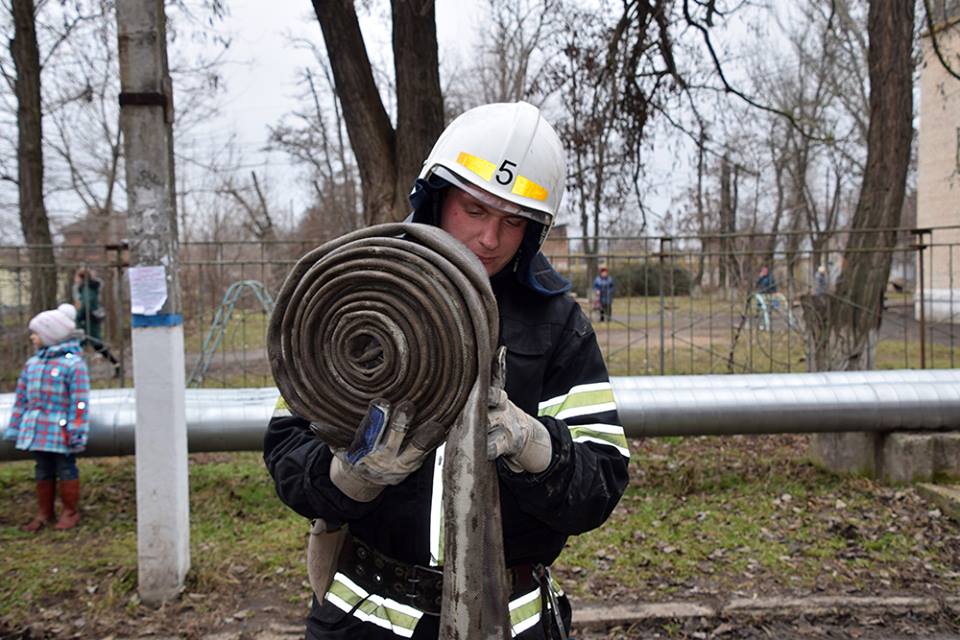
400 311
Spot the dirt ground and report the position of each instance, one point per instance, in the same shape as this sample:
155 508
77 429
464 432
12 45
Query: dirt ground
256 613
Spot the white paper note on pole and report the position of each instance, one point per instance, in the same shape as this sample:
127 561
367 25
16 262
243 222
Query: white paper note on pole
148 289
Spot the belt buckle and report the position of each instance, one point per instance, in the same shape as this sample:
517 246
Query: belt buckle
414 576
411 580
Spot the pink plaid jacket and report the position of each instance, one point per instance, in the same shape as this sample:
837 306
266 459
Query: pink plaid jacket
50 412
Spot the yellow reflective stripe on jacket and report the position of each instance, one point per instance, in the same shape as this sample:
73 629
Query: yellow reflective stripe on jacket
281 409
581 400
389 614
602 434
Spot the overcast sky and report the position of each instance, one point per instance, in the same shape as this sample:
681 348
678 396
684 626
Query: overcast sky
260 77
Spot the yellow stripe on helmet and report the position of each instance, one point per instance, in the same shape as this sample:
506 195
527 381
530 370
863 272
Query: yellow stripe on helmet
479 166
529 189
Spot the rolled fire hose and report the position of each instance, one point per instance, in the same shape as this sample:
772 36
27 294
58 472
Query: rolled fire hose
404 312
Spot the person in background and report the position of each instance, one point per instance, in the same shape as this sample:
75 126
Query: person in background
91 314
603 289
50 414
766 282
821 281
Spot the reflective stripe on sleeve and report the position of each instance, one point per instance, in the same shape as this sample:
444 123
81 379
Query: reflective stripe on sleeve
581 400
601 434
389 614
586 400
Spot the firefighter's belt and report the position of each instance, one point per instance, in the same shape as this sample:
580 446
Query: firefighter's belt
411 584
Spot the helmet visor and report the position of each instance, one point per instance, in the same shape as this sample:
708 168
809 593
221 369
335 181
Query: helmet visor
492 201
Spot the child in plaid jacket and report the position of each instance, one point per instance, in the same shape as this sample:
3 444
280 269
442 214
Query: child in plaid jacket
49 416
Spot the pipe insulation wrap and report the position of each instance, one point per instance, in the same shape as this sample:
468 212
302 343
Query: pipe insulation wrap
392 311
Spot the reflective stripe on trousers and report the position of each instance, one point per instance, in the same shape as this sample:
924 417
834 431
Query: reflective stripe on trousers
401 619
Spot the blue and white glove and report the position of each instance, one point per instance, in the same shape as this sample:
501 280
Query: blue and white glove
375 458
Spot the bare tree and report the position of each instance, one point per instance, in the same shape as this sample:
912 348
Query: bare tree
80 130
588 128
317 138
513 58
259 222
33 213
388 157
845 325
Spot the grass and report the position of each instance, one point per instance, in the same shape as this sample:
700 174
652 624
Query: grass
246 329
239 531
721 515
748 514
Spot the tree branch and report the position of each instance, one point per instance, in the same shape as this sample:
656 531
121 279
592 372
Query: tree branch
719 69
933 39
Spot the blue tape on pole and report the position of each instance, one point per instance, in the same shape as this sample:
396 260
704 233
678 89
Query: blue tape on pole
158 320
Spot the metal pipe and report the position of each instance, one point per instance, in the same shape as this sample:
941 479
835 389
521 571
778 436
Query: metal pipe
217 420
767 380
235 419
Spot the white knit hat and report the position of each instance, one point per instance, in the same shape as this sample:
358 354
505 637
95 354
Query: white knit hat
55 325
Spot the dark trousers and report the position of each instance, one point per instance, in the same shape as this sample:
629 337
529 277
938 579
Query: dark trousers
55 465
100 348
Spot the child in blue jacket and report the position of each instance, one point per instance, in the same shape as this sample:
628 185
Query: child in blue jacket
49 416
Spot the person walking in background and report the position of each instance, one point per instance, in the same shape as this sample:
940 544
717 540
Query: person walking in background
821 281
49 416
766 283
603 289
91 314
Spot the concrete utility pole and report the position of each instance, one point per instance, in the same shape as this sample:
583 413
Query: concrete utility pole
146 118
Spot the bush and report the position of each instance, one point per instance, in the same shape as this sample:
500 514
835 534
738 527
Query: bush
639 279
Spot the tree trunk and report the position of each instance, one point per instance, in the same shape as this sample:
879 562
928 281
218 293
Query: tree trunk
33 213
419 99
728 226
368 125
388 159
701 216
854 315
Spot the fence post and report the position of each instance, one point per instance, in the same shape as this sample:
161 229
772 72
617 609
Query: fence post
920 246
146 118
663 339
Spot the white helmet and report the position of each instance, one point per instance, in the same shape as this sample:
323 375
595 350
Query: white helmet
507 150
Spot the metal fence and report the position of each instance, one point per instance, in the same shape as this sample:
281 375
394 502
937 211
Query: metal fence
682 305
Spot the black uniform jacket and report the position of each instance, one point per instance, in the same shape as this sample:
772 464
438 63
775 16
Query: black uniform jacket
551 350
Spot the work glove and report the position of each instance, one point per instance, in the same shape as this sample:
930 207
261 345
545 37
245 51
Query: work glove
375 458
522 440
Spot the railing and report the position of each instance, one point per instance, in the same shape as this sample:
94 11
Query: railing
683 305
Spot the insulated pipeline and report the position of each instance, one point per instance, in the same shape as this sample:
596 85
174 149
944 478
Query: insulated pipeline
394 311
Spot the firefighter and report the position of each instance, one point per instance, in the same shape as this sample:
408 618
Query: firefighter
494 181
